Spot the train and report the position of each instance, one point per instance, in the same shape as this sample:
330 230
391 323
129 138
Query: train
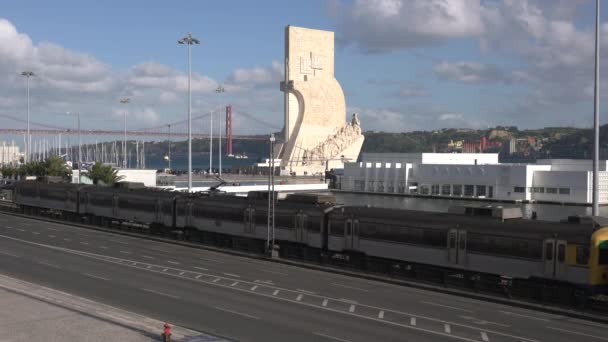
466 244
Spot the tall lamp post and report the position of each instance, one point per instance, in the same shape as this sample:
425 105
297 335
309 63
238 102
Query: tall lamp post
271 200
189 40
28 143
125 100
79 146
169 130
220 90
596 115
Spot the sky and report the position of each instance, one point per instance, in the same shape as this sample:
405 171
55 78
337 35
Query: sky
404 65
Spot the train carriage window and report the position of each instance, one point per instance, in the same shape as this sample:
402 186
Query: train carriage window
549 251
603 253
582 255
452 240
463 242
561 253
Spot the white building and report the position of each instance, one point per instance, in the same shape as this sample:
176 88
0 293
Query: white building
9 154
474 175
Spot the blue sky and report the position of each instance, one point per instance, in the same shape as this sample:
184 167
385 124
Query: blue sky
403 64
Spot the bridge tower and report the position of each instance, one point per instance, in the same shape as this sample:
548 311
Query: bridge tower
229 130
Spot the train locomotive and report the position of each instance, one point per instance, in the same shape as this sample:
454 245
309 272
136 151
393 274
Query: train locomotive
314 227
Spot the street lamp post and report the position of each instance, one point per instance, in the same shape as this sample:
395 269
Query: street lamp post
79 147
189 40
596 115
125 100
169 129
220 89
271 199
28 143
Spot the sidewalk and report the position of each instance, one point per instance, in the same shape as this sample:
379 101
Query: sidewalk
30 312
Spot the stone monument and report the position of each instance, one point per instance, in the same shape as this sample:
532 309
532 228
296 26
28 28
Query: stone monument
317 136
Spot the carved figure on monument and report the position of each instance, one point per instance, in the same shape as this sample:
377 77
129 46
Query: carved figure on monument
316 134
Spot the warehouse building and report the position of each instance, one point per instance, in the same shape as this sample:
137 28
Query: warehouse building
474 176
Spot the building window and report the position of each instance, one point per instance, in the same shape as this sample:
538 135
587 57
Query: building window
445 189
435 189
424 189
551 190
457 190
398 165
481 190
469 190
380 186
519 189
537 189
490 192
359 185
401 188
370 185
564 191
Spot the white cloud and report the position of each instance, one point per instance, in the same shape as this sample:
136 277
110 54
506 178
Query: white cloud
475 72
257 76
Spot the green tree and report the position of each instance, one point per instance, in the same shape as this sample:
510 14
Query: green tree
55 166
104 174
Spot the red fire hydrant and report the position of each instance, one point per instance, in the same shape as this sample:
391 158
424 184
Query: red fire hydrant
167 334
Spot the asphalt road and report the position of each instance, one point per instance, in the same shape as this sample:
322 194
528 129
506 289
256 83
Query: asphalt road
254 300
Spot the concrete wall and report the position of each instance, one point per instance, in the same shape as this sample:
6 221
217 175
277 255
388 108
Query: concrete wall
432 158
572 164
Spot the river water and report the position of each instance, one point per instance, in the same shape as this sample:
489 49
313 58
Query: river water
549 212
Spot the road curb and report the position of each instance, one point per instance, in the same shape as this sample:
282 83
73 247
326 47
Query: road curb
357 274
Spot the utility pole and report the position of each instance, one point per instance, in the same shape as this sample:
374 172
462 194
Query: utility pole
28 144
271 199
189 40
169 129
220 90
596 114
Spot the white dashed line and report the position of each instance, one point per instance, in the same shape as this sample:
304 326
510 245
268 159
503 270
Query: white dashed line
181 273
446 306
52 236
352 308
212 260
216 280
331 337
231 275
305 291
349 287
35 233
201 268
149 267
447 328
276 292
161 293
235 283
578 333
47 264
9 254
199 276
526 316
68 240
103 247
325 302
84 243
124 243
125 252
147 257
273 272
165 269
413 321
173 262
254 287
21 230
484 337
381 314
49 228
95 276
299 298
236 312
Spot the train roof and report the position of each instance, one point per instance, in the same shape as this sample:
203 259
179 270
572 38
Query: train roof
519 227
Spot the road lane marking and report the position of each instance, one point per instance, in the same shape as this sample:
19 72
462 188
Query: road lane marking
325 302
149 267
49 228
413 321
161 293
117 241
276 292
47 264
349 287
181 273
125 252
216 280
236 312
235 283
212 260
305 291
52 236
352 308
350 301
35 233
434 332
254 287
84 243
21 230
299 298
578 333
483 322
231 275
95 276
148 257
103 247
381 314
484 337
9 254
273 272
9 227
331 337
447 328
165 270
201 268
68 240
446 306
522 315
173 262
199 276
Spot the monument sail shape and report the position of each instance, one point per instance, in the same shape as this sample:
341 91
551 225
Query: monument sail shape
317 136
